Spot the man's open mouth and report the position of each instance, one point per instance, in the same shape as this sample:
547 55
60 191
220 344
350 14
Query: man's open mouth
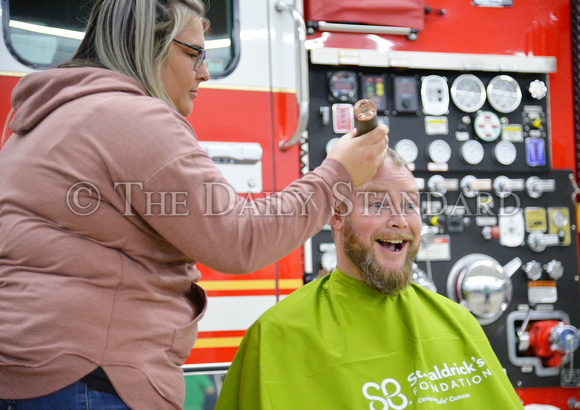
393 245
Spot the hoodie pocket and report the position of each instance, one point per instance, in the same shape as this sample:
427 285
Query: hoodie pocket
184 337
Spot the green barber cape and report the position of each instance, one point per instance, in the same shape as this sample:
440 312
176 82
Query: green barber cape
337 343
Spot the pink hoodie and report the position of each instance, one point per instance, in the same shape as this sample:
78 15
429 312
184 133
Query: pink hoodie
94 271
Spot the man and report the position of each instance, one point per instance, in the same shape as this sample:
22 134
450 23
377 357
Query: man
364 337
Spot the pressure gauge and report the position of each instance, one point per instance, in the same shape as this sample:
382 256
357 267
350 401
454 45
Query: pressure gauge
472 152
468 93
330 144
505 152
343 86
487 126
439 152
504 93
328 260
408 150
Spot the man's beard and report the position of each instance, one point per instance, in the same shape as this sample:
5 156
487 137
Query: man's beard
389 282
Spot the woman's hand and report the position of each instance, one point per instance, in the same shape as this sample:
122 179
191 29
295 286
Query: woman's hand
362 155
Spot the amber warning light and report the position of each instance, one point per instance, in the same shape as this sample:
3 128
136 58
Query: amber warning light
365 116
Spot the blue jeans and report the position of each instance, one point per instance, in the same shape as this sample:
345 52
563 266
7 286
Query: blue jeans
77 396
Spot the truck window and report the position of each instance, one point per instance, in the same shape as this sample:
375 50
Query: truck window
42 34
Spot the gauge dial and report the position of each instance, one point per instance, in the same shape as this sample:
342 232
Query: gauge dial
505 152
330 144
328 260
487 126
472 152
504 93
408 150
439 152
343 86
468 93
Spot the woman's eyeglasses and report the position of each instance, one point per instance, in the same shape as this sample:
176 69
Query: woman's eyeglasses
201 54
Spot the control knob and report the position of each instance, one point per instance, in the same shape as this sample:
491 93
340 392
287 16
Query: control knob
554 269
536 186
441 185
533 270
538 241
538 89
503 186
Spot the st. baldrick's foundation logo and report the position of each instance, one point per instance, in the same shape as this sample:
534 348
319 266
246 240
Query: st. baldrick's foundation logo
388 394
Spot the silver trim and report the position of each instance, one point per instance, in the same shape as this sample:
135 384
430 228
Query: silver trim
302 91
363 28
495 92
457 91
432 60
523 361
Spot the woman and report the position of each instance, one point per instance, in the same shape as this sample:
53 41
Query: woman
104 212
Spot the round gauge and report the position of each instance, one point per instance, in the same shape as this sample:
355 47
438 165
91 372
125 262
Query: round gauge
487 126
439 152
504 93
408 150
472 152
328 260
468 93
330 144
343 86
505 152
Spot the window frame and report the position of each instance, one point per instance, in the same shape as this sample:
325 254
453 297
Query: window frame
229 68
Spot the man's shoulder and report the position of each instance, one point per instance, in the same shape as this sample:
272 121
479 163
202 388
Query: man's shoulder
441 307
299 304
428 296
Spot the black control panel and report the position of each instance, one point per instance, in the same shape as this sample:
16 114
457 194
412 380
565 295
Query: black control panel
443 122
499 224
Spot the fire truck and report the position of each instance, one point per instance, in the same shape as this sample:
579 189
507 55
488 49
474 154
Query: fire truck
482 98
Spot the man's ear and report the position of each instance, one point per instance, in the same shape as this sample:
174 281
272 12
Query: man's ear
337 221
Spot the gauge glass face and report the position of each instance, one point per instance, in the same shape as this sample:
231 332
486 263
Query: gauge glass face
328 260
330 144
343 86
504 93
487 126
440 152
407 149
468 93
505 152
472 152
